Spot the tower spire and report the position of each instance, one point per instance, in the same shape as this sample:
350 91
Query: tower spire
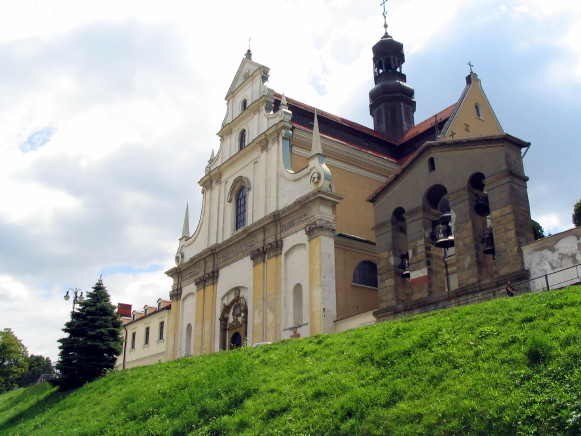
186 228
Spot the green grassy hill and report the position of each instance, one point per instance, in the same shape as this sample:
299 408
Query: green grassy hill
505 367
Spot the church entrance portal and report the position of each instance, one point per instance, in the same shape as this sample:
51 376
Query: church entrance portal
234 323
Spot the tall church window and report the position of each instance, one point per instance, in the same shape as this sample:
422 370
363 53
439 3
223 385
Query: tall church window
241 208
243 105
366 274
242 140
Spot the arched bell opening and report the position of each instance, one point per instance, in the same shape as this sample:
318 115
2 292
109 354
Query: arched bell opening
480 214
438 205
482 229
440 251
234 322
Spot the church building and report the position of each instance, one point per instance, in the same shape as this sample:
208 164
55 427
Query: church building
311 223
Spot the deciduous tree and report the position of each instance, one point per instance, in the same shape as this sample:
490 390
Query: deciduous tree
13 360
93 342
37 366
577 213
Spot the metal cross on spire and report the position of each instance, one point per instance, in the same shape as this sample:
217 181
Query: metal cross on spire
384 15
470 65
249 39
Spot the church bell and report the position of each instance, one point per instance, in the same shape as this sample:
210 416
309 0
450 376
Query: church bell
487 240
444 236
481 207
405 266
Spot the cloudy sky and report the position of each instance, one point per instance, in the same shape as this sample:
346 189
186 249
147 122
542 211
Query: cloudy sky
109 112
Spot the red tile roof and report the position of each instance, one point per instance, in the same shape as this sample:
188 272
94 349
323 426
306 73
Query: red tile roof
411 133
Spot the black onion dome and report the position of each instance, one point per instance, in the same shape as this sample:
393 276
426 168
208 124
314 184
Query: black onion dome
388 46
391 87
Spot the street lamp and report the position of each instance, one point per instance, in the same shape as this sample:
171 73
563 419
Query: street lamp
77 296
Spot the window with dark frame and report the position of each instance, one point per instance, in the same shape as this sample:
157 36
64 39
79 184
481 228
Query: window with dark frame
431 164
366 274
146 340
242 140
133 336
161 327
241 208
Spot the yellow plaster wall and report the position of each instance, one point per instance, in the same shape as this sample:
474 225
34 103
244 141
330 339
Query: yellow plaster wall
257 310
352 299
156 350
172 330
298 162
316 304
273 299
354 215
199 323
486 125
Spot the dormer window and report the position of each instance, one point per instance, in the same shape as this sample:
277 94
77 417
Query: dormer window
243 105
242 140
241 208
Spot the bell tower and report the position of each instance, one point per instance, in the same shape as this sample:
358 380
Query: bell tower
391 101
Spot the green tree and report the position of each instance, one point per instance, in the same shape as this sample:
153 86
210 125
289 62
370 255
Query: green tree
538 231
13 360
577 213
37 366
93 342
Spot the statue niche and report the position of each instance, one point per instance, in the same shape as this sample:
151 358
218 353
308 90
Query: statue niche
233 323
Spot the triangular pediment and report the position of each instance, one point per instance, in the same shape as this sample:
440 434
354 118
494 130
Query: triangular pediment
473 115
246 69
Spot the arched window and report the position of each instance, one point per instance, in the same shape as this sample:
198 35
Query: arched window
241 208
365 274
477 110
243 105
242 140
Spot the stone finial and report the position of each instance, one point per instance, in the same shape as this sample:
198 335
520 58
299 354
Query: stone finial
317 148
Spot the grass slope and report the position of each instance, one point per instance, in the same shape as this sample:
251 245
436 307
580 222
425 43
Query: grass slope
509 366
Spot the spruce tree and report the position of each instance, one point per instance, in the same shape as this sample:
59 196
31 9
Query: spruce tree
93 342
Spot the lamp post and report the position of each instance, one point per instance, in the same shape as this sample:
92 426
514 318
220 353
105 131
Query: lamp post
77 296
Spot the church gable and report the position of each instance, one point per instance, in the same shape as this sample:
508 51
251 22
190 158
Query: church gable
246 69
473 115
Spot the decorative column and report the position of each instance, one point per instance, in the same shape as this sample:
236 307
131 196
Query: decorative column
511 221
205 312
419 228
258 310
273 252
173 332
386 268
464 239
321 247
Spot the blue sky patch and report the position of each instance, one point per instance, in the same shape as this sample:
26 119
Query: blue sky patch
37 139
126 269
